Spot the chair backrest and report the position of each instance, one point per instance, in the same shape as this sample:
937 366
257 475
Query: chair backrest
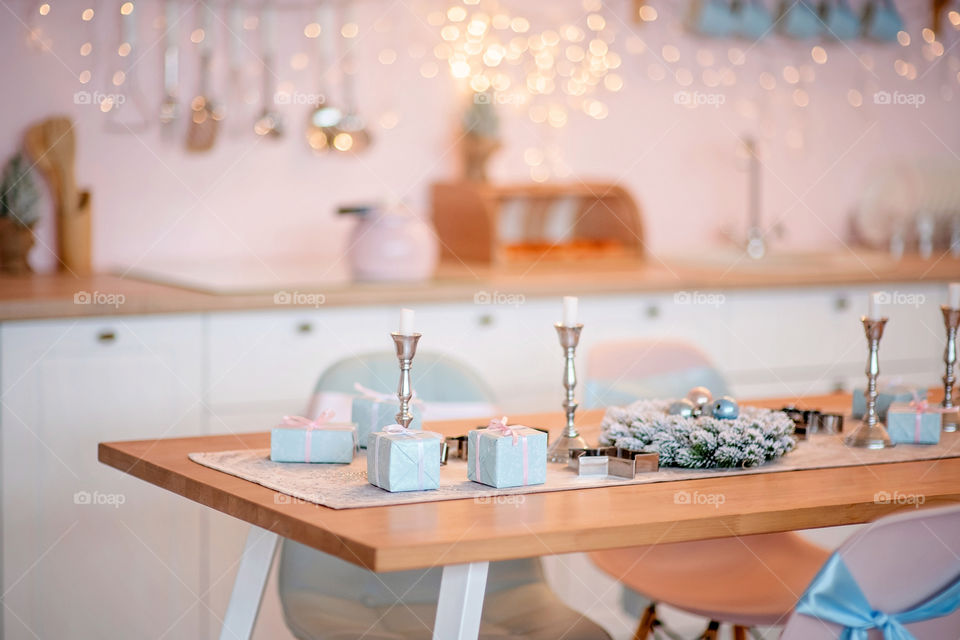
899 562
440 381
622 371
448 388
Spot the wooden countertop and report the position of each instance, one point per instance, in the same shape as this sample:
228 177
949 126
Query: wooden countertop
61 295
427 534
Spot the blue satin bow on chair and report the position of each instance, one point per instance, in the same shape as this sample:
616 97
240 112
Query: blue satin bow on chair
835 596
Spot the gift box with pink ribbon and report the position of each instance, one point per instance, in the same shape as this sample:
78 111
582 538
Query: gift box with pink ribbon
299 439
372 410
401 459
914 422
505 456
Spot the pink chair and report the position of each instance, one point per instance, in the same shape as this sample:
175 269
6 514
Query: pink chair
746 581
898 562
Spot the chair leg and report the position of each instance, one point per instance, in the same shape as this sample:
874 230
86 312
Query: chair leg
647 622
739 633
712 632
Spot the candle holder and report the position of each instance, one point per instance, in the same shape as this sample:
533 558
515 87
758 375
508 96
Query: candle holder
951 320
871 433
406 346
571 438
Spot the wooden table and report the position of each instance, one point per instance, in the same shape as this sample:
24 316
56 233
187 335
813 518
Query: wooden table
463 536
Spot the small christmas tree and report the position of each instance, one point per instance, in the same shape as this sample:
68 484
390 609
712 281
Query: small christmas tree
18 192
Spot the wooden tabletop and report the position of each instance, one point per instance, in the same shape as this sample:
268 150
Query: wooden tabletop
53 296
457 531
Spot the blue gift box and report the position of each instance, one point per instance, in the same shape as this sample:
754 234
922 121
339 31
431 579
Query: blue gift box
371 414
885 397
403 459
903 428
495 459
328 442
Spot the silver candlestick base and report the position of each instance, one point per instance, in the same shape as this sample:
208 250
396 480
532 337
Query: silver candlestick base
406 349
559 451
871 434
951 320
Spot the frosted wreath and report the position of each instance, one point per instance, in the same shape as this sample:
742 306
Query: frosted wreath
705 442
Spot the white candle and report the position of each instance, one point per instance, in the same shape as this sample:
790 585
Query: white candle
954 290
874 304
406 322
569 311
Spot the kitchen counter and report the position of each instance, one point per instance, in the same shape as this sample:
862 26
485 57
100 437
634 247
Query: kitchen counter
62 295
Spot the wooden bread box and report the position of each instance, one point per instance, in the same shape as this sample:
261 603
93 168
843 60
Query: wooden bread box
510 224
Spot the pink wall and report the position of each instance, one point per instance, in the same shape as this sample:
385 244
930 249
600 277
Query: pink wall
252 198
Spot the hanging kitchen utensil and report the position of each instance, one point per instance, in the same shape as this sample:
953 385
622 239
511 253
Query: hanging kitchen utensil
798 19
354 135
128 110
712 18
839 19
268 122
323 122
237 116
205 114
170 105
753 20
881 21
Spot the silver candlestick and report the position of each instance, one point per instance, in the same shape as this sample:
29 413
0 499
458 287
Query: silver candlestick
951 320
871 433
406 348
571 438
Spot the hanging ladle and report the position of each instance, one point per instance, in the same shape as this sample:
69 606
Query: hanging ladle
268 122
353 134
323 122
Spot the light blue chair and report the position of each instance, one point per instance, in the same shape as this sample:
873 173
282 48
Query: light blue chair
325 598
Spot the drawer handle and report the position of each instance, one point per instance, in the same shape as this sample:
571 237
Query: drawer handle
305 327
106 337
653 311
841 303
485 320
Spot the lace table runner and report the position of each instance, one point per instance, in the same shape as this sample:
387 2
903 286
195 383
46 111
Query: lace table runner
346 487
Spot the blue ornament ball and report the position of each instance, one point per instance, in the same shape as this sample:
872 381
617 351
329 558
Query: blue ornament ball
683 408
726 408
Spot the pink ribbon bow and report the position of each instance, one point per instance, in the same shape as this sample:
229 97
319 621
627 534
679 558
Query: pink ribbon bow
499 427
922 406
320 422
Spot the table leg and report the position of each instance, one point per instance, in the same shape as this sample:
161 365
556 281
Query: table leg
249 584
461 601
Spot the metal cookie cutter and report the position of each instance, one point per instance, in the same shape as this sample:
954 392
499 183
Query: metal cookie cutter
612 461
624 463
455 446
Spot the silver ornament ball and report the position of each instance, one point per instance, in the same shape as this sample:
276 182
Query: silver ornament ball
683 408
701 399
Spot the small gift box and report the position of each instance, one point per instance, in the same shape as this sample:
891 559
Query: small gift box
372 411
886 396
914 422
507 456
298 439
401 459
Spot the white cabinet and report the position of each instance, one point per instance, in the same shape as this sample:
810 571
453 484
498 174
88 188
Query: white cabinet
88 551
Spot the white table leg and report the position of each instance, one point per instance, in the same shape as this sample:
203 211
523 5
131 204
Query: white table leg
461 601
249 584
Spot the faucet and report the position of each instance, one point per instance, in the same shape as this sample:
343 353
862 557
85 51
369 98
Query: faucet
756 245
